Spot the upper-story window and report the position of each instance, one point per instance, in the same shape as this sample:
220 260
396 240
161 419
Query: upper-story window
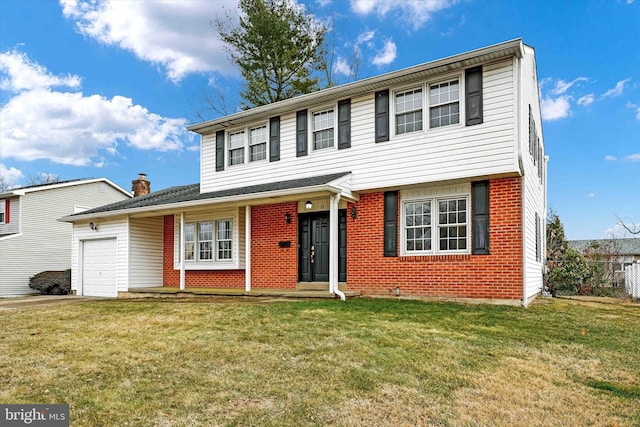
258 143
323 125
236 148
444 103
408 108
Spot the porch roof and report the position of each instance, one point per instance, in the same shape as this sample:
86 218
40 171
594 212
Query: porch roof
190 196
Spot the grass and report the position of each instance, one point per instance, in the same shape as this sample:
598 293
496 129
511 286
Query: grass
363 362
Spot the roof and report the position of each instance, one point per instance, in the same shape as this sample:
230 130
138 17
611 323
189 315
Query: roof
468 59
189 195
629 246
21 191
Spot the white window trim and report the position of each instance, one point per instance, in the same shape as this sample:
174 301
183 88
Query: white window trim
426 118
246 144
215 241
322 109
435 234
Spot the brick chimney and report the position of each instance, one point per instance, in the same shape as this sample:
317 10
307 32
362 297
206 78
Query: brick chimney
141 186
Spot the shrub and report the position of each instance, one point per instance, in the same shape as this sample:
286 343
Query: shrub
571 275
52 282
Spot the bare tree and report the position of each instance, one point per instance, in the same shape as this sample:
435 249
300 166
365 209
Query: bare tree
42 178
4 184
631 227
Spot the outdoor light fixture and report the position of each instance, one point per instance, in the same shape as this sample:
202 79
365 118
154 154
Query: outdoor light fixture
308 204
397 292
354 213
287 217
93 226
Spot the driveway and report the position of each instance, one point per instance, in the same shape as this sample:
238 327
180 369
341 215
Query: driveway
40 300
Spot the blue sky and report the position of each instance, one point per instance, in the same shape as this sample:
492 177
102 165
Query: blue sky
107 88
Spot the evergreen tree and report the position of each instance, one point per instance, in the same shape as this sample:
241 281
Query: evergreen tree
278 48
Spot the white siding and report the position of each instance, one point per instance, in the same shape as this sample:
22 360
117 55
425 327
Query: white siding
44 243
117 228
453 152
145 252
534 190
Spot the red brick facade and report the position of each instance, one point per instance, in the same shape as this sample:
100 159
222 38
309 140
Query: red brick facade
498 275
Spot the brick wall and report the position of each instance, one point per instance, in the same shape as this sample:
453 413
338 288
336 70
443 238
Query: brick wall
498 275
195 278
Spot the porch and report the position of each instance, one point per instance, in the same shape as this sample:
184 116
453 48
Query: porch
171 291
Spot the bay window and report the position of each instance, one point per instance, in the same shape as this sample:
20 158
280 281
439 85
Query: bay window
208 241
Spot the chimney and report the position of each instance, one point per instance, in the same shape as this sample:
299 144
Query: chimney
141 186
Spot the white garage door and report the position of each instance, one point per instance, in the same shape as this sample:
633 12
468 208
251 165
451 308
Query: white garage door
99 268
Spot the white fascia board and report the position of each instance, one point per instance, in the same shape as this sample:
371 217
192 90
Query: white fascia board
324 188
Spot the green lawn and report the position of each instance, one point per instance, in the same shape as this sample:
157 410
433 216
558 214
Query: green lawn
364 362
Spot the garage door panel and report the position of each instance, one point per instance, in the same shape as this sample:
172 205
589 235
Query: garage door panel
99 268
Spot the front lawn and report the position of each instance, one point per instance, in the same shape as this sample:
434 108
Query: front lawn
364 362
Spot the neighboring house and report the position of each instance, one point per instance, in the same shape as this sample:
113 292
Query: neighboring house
617 254
32 239
428 181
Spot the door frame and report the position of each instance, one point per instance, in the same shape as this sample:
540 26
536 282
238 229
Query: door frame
303 256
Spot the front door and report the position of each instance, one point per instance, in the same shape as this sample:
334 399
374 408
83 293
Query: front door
313 259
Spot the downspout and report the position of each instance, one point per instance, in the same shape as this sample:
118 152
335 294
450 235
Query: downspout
181 255
247 248
520 148
333 247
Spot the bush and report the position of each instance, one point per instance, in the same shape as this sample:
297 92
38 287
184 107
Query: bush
52 282
571 275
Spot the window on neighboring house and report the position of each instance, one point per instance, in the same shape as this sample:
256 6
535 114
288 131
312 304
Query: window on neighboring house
408 110
323 122
448 217
236 148
205 241
2 211
189 242
224 240
444 104
258 143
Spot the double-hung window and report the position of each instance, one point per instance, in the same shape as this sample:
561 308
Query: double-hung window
323 125
436 225
208 241
444 103
408 109
236 148
2 213
258 143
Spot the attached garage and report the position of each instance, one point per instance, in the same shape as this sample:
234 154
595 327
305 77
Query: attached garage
99 268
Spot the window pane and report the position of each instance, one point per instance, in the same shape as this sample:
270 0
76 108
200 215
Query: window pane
417 226
408 111
452 224
258 143
224 236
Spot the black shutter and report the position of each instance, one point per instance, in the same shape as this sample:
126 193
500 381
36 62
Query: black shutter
301 133
274 139
390 223
473 93
219 150
532 126
480 217
538 243
382 115
344 124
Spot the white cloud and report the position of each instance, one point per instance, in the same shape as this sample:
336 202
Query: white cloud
10 175
20 73
554 109
591 195
617 90
175 35
635 107
387 55
71 128
342 67
414 12
365 37
586 100
562 86
635 157
610 158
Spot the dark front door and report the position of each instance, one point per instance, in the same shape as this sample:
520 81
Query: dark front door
313 258
314 247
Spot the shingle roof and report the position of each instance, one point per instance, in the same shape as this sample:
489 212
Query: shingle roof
189 193
630 246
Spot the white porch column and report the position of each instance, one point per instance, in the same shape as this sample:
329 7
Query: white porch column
247 246
333 246
181 254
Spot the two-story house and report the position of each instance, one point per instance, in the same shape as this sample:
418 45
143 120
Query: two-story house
428 181
31 238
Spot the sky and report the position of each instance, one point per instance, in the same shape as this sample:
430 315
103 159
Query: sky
106 88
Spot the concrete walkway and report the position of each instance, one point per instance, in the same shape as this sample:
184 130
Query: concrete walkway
40 300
